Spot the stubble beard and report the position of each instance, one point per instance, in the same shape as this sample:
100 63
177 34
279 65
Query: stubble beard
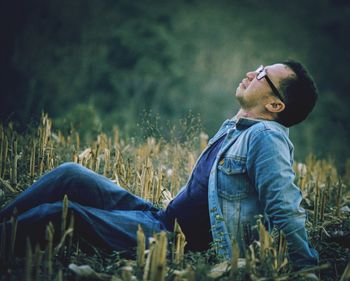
239 95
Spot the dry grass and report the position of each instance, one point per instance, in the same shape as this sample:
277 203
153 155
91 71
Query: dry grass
155 170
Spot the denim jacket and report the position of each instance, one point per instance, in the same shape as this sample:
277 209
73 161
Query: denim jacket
252 175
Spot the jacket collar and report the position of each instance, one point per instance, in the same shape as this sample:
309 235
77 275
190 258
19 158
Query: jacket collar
244 123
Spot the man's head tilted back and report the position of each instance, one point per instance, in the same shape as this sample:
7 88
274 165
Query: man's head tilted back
283 92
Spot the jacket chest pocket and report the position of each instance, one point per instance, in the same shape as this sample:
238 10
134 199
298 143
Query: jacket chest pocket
232 181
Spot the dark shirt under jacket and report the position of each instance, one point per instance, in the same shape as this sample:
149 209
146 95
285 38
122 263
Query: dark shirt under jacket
190 206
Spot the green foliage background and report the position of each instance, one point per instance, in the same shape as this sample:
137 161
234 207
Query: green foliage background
95 64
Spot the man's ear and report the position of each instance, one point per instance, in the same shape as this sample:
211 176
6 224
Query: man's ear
275 106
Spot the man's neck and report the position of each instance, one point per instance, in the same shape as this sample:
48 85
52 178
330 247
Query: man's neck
253 115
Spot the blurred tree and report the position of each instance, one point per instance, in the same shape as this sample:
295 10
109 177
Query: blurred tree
123 57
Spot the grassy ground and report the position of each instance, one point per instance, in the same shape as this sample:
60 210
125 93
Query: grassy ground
155 170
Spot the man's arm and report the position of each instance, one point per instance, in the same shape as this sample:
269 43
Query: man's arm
269 166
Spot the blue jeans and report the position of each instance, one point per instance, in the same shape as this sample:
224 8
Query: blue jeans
105 214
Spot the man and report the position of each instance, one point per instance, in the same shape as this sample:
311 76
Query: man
246 170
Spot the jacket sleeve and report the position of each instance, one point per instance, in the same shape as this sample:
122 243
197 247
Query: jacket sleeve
269 165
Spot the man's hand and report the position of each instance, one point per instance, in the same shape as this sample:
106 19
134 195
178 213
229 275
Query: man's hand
165 197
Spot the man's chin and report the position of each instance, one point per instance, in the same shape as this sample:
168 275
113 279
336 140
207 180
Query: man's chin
240 98
238 94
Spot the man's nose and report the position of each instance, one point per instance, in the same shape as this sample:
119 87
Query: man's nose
251 75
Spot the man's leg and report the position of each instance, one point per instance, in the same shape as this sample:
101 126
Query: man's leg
110 230
81 185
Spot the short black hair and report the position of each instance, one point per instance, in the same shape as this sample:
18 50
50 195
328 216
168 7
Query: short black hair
300 95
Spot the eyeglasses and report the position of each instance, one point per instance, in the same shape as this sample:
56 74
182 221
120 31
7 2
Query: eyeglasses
263 74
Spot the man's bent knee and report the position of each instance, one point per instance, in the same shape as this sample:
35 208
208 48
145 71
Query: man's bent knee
70 168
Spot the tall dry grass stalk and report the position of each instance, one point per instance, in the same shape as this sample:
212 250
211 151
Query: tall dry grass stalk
174 181
66 232
28 261
141 247
50 231
282 249
158 187
4 156
32 159
265 241
14 161
44 134
234 260
13 233
324 198
338 200
71 227
85 156
116 137
146 179
107 161
59 275
37 259
178 245
155 269
77 140
64 214
95 156
269 253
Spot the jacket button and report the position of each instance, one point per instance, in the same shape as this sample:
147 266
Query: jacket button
219 218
